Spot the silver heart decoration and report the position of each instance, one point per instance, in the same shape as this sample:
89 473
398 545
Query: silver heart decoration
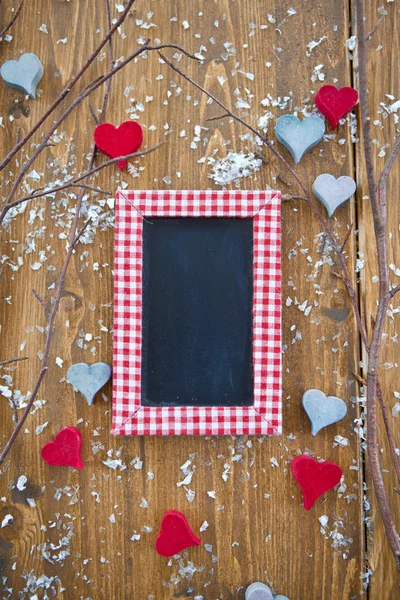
323 410
23 74
89 379
332 192
299 136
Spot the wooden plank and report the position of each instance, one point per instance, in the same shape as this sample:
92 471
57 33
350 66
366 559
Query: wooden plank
257 526
382 68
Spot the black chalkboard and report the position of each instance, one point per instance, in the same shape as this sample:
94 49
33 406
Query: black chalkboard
197 312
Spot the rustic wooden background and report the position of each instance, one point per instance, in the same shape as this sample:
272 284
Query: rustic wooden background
258 529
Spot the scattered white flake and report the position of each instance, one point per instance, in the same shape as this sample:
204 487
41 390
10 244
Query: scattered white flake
396 409
185 25
314 44
190 495
7 520
211 494
340 441
111 518
144 503
274 462
208 547
36 266
31 502
43 28
21 483
115 463
40 428
135 537
204 526
62 41
120 8
290 11
59 361
351 42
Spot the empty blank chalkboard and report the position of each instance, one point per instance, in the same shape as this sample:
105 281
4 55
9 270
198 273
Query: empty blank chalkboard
197 312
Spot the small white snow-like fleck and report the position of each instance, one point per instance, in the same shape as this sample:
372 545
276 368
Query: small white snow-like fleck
203 526
115 463
7 520
111 518
144 503
40 428
31 502
120 8
43 28
62 41
351 42
211 494
59 361
290 11
21 483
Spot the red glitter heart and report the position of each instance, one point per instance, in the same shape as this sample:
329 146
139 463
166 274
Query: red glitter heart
175 534
65 450
118 141
314 478
334 103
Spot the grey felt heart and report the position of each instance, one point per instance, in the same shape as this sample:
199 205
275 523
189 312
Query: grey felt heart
332 192
23 74
258 591
89 379
299 136
323 410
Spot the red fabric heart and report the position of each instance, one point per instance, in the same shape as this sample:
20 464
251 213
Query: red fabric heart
65 450
314 478
175 534
334 103
118 141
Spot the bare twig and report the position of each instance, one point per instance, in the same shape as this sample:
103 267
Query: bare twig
42 302
377 194
394 291
346 238
375 27
11 360
14 18
75 182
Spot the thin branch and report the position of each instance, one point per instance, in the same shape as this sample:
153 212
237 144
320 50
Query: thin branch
346 238
383 179
75 182
218 118
394 291
377 196
42 302
14 18
389 433
11 360
68 88
375 27
386 420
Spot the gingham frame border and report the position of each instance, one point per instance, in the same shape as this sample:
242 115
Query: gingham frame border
265 416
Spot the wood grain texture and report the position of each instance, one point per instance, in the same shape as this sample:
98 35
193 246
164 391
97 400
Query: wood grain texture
258 528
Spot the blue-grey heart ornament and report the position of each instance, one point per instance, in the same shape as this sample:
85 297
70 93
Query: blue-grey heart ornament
299 136
89 379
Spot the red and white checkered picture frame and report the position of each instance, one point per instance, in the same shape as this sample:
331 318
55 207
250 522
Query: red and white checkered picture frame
264 416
